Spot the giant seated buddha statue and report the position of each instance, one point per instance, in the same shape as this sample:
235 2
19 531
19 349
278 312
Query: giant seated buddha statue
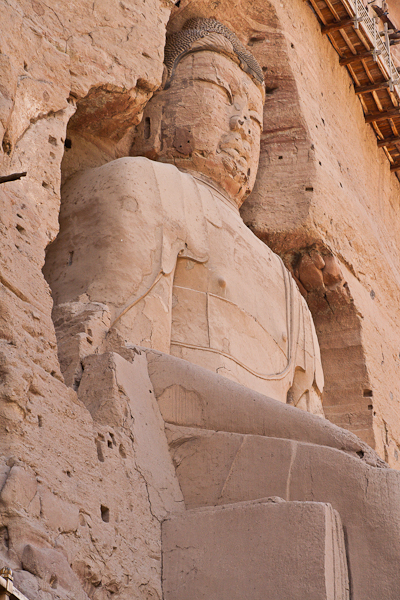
177 310
159 240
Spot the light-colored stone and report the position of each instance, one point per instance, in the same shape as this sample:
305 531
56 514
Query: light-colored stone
60 515
83 71
20 487
81 329
176 267
234 552
120 394
56 61
324 183
53 568
190 396
225 468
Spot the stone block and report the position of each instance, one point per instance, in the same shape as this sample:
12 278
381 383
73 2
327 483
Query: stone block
60 515
19 488
53 568
119 393
192 396
216 468
27 583
255 550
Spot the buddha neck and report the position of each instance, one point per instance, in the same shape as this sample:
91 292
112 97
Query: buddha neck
216 188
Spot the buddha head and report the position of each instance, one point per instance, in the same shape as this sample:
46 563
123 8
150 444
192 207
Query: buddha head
207 119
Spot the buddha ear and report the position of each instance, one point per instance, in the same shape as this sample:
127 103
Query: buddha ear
164 78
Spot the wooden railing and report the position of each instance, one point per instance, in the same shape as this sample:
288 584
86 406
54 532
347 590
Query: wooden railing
7 589
365 51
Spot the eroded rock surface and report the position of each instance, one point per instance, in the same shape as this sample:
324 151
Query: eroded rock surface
51 57
81 495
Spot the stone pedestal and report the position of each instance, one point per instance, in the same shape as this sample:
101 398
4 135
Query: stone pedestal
255 550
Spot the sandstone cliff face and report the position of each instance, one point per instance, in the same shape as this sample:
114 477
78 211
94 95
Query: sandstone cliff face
325 200
72 491
72 488
324 188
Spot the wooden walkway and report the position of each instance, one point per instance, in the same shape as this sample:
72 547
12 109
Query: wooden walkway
365 52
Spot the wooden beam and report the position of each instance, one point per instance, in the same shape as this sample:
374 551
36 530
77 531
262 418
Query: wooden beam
383 16
337 25
388 141
364 89
356 57
317 10
380 116
332 9
395 167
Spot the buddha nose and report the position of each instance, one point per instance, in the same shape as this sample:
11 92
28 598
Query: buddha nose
236 122
240 123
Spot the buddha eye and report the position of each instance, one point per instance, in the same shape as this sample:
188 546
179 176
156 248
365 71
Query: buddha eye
225 89
256 119
227 93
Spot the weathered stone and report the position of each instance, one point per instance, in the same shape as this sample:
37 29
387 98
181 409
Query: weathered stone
190 396
338 195
26 583
19 489
187 292
224 468
331 271
51 59
60 515
309 274
120 394
74 80
81 329
53 568
203 557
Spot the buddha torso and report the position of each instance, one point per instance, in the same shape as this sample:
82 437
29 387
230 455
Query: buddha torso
181 273
229 313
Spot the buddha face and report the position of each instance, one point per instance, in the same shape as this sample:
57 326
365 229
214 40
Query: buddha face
209 121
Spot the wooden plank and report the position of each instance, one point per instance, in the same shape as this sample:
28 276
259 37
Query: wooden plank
332 9
348 41
354 76
377 101
364 89
394 128
317 10
386 99
379 116
378 132
393 98
366 43
350 59
390 159
336 26
368 72
383 16
365 107
370 77
334 44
